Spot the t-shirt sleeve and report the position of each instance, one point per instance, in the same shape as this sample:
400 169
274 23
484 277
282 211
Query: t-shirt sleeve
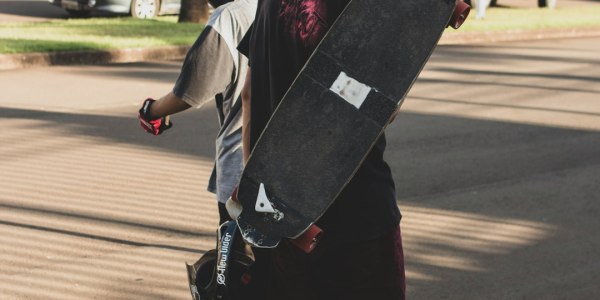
244 45
207 70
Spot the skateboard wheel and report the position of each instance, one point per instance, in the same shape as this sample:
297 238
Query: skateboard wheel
461 11
309 239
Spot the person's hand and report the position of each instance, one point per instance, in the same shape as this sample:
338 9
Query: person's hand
152 125
233 206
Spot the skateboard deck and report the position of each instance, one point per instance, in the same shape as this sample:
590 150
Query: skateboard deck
334 112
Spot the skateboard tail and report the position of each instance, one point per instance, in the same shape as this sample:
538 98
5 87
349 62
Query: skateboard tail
261 237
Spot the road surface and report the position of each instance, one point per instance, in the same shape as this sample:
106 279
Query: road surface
496 156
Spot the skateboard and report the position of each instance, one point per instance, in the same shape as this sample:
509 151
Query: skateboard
334 112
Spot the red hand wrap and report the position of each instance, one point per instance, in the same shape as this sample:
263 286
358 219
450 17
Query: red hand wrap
151 125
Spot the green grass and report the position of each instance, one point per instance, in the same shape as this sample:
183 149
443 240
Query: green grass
501 19
95 34
120 33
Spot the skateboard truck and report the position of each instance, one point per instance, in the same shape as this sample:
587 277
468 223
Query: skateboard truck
461 11
306 242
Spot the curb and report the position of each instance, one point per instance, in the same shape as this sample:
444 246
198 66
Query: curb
28 60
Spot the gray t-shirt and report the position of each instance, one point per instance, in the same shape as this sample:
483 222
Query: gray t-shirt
214 70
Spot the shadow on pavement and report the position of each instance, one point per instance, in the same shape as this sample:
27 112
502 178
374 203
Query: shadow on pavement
107 187
154 71
186 136
484 202
440 154
98 237
492 209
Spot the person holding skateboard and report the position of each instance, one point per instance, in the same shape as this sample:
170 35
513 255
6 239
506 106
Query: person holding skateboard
360 255
213 70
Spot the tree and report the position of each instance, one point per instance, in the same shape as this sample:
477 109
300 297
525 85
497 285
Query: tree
194 11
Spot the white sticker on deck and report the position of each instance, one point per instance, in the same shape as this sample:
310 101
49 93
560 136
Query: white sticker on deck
262 201
350 89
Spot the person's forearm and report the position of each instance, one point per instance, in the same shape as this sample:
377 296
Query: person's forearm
246 117
168 105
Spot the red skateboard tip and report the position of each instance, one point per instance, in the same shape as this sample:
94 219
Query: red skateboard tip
460 14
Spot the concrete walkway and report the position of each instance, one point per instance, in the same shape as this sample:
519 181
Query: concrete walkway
496 157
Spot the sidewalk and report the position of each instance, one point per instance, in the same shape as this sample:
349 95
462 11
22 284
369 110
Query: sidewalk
497 180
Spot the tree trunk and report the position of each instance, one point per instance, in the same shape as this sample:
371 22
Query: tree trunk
194 11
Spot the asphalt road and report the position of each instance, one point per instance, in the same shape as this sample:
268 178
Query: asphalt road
35 11
496 156
29 11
